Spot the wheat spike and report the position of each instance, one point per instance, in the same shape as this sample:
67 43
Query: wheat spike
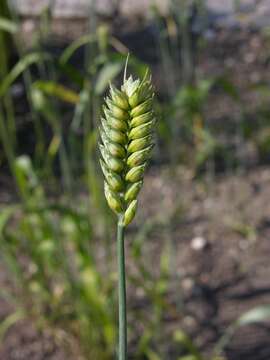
126 134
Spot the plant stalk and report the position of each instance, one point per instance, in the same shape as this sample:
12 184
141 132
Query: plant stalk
122 351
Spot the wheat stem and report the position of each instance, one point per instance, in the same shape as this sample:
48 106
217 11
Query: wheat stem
122 351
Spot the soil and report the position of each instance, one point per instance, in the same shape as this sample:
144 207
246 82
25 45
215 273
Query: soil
220 234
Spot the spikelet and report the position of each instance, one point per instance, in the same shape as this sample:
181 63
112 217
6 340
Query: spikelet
126 134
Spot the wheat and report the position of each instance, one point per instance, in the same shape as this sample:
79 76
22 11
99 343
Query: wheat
126 142
126 134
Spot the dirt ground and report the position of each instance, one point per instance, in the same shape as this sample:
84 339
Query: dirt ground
220 235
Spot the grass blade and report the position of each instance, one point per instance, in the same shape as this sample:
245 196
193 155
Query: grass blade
9 321
19 68
54 89
8 26
107 74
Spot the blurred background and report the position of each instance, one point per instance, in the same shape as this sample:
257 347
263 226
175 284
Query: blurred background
198 252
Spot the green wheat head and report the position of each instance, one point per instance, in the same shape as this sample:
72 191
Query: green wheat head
126 143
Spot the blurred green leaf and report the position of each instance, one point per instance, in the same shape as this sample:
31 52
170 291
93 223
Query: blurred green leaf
54 89
206 146
228 87
262 89
44 106
152 355
72 73
106 75
81 106
5 215
54 146
256 315
188 357
182 338
19 68
8 25
191 99
70 50
9 321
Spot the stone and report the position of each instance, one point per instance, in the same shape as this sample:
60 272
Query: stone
198 243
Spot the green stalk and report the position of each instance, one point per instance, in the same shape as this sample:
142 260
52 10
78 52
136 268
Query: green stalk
122 351
4 138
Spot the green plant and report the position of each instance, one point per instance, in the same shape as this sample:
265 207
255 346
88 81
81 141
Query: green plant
126 143
47 247
185 111
7 27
